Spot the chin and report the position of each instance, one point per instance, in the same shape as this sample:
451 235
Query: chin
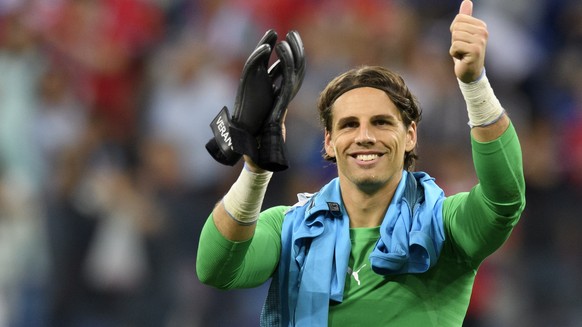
370 183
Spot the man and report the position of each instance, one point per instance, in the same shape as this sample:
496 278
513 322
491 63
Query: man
379 245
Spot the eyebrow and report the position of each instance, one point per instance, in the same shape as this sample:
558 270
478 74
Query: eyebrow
347 119
390 117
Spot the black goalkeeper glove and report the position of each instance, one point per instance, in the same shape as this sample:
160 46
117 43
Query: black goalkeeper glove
236 135
255 128
287 74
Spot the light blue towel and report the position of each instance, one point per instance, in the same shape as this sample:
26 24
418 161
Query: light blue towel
411 243
316 248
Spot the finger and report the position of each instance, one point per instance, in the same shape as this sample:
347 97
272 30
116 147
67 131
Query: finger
470 35
464 21
285 54
264 47
269 38
456 52
466 8
296 45
473 27
464 36
461 50
260 54
276 74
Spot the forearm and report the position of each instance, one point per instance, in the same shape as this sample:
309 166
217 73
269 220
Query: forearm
502 157
478 222
226 237
491 132
236 214
487 117
229 228
499 168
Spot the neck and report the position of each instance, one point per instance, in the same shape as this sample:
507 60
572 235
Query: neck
367 209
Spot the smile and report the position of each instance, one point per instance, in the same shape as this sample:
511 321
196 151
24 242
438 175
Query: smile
367 157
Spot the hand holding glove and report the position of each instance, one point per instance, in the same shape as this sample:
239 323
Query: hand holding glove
253 102
287 73
255 128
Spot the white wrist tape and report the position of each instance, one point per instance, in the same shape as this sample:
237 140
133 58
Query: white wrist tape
244 199
483 106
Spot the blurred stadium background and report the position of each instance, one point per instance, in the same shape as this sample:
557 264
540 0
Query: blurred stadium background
105 182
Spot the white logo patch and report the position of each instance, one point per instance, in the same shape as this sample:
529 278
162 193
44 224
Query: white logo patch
356 273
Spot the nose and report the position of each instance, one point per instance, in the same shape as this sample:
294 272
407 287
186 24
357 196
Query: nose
365 135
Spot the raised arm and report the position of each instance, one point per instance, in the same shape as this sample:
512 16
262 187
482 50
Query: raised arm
233 251
480 221
468 46
256 130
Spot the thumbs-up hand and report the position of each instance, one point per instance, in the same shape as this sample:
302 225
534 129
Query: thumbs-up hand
466 8
468 43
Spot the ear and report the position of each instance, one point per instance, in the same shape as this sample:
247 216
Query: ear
328 145
411 137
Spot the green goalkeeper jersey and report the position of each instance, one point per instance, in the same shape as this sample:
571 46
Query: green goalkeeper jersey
476 223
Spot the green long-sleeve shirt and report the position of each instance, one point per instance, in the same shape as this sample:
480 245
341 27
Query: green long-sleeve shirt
476 223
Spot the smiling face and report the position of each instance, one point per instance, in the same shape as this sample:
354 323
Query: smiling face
368 139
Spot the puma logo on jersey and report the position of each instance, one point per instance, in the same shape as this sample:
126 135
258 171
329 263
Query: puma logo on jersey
356 274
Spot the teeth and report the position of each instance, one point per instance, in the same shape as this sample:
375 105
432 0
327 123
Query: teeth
366 157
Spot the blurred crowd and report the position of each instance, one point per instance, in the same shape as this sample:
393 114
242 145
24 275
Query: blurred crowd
105 182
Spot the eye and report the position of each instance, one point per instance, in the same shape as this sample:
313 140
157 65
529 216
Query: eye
352 124
382 122
349 124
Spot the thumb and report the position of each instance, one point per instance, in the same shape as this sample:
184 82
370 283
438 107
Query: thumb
466 8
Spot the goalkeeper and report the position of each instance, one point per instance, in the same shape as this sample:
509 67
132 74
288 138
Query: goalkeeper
381 244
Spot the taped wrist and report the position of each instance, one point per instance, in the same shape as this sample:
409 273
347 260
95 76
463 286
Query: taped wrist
483 107
244 199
